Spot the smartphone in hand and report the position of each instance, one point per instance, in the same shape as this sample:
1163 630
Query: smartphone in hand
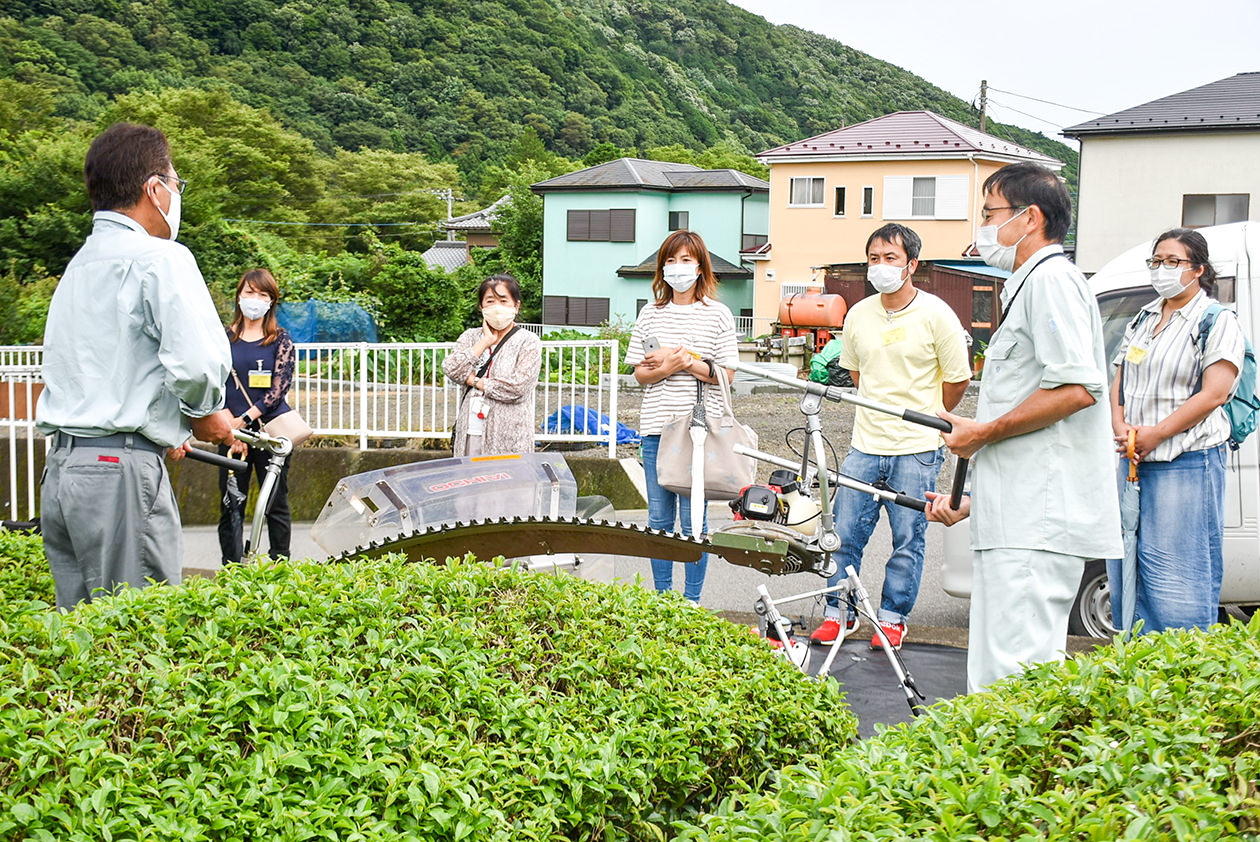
651 344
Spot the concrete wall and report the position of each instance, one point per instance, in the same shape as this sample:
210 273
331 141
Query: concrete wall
1132 186
315 471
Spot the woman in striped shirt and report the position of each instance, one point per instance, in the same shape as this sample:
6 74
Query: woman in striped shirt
1170 389
669 345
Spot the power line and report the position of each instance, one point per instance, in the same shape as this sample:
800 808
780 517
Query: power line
1047 102
332 224
1026 114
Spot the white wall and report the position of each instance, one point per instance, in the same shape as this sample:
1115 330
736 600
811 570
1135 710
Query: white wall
1131 186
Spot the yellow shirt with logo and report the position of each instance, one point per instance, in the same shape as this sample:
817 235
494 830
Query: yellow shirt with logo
902 359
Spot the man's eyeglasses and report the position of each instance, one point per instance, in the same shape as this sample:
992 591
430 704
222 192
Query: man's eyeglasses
1170 262
180 184
987 213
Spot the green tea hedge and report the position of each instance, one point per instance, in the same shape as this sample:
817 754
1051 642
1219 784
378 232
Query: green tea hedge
24 574
388 700
1153 739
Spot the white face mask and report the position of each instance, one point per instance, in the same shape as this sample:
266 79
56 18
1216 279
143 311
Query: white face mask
885 277
498 316
992 252
681 276
172 216
1167 282
253 308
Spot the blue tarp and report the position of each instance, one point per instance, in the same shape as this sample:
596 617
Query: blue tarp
579 419
326 321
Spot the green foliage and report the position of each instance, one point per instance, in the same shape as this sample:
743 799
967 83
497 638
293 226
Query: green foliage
24 573
385 701
1154 739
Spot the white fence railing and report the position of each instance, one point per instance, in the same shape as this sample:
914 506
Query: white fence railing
360 390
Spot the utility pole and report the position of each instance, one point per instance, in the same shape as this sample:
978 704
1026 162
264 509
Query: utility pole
984 102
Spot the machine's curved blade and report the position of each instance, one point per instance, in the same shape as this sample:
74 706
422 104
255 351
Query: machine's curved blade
517 537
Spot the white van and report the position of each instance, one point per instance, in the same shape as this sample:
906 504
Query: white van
1123 287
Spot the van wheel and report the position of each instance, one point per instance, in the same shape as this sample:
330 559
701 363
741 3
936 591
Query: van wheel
1091 612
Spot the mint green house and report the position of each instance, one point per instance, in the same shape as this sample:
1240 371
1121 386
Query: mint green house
602 227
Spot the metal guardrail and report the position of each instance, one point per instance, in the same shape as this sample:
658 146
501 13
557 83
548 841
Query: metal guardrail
362 390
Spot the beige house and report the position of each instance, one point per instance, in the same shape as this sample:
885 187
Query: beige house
1191 159
828 193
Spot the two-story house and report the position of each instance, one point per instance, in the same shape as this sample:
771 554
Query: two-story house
1189 159
603 225
828 193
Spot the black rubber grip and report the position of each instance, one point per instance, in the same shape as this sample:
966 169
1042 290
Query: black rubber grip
215 459
928 420
911 502
960 481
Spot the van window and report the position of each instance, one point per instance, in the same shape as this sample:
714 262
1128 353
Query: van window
1118 308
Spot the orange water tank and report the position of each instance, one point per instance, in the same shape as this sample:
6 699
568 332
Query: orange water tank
813 309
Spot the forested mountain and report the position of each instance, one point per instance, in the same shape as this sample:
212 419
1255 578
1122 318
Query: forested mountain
459 79
315 134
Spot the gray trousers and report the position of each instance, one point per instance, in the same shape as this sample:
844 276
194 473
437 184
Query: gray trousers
108 516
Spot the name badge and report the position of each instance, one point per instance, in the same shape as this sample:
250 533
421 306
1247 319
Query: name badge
893 335
259 379
1136 354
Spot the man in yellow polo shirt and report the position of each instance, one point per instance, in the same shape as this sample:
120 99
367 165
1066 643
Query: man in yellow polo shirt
904 347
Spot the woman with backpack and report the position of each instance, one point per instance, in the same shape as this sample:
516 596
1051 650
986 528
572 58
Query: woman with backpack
1178 367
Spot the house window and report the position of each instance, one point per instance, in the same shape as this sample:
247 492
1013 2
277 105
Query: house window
868 201
751 241
574 310
601 226
1200 209
805 193
926 197
839 211
923 197
678 220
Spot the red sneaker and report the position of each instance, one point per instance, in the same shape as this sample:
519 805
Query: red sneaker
895 633
830 631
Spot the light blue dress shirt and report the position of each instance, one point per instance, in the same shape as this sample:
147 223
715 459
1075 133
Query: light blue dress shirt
1052 489
133 341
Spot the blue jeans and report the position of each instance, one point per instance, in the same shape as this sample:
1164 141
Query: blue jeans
856 513
665 509
1180 530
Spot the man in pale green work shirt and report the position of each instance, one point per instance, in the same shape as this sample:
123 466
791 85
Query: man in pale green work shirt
1044 495
135 359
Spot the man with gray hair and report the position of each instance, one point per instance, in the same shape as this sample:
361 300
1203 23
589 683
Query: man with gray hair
135 358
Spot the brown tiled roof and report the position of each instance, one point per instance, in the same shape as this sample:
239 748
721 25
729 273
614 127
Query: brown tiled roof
1232 103
640 174
920 133
721 267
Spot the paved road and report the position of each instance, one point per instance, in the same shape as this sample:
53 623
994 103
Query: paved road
727 588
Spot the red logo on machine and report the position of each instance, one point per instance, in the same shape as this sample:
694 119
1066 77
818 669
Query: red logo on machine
463 481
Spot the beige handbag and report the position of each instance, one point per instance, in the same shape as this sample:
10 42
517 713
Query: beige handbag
291 425
726 472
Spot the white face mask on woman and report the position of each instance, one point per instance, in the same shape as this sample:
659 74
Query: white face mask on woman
253 308
681 276
498 316
1167 281
885 277
994 253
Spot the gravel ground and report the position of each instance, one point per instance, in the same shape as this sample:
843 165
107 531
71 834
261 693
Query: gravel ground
772 411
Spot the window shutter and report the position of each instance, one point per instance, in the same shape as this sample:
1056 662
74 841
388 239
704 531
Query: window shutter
599 226
577 311
951 196
596 311
621 225
579 227
555 310
897 192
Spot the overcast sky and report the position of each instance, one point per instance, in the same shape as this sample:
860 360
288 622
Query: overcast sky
1100 55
